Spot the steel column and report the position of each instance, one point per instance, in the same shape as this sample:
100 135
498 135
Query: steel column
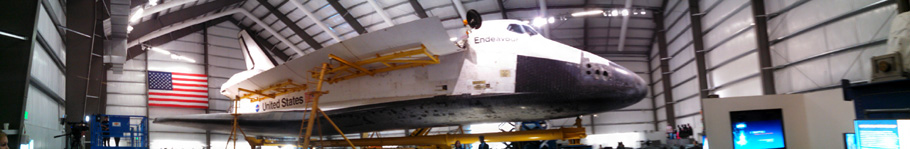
764 47
665 68
903 6
699 47
348 17
418 9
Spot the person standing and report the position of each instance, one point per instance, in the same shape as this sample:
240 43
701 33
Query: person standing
4 142
483 144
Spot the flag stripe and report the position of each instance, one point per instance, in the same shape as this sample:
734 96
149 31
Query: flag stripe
179 95
180 90
179 100
193 85
179 106
187 79
190 90
188 74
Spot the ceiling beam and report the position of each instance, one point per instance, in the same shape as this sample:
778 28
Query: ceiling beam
146 27
262 42
290 24
422 13
502 9
583 6
137 50
348 17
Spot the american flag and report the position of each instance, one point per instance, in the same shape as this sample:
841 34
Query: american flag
182 90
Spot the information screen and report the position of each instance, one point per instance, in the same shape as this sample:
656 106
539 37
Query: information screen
882 134
758 129
850 141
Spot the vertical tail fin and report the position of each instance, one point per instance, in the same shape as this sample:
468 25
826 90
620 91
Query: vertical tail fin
253 55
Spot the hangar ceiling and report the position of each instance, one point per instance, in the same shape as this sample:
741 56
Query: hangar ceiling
324 22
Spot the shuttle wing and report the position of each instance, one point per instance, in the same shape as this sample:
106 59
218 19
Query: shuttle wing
428 31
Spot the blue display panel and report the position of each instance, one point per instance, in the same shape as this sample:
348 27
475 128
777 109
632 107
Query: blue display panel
882 134
758 134
850 141
758 129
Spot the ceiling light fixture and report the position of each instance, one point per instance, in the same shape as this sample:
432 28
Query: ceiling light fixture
136 15
592 12
159 50
538 21
129 29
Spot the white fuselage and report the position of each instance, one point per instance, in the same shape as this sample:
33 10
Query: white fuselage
487 65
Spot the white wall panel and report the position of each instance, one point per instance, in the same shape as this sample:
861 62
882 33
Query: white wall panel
611 129
221 31
736 69
181 140
183 45
137 63
225 42
126 99
875 24
679 43
214 92
662 114
724 8
49 31
45 71
735 23
683 73
227 62
43 120
176 67
685 90
688 106
643 104
622 117
736 46
225 52
124 87
130 76
155 112
686 55
745 88
124 110
223 72
659 100
163 57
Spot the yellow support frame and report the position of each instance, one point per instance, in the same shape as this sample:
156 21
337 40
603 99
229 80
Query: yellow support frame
572 133
394 61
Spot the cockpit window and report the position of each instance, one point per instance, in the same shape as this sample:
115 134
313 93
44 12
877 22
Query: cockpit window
515 28
529 30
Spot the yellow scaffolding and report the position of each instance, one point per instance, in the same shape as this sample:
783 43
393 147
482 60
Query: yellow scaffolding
394 61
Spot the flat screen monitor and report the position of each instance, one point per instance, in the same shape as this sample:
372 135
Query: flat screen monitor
874 134
758 129
849 141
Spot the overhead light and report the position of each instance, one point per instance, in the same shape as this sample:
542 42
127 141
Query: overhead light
153 2
614 13
644 12
136 15
551 20
87 118
129 29
453 39
159 50
592 12
625 12
539 22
